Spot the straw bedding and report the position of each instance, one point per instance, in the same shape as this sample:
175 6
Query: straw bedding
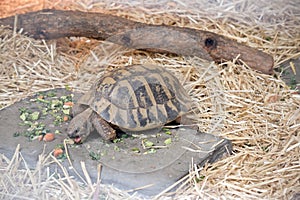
259 113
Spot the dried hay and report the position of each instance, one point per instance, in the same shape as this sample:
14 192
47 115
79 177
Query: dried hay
259 113
20 182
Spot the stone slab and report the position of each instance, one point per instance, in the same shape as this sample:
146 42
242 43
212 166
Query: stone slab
122 165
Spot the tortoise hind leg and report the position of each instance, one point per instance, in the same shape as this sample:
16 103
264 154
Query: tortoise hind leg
102 127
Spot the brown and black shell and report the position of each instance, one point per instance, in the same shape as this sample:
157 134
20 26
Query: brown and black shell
138 98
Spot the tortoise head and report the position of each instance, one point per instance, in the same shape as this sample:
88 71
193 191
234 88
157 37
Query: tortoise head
77 132
80 127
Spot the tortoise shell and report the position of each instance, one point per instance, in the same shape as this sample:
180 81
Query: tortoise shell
138 98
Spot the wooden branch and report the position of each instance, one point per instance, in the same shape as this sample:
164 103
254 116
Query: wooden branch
52 24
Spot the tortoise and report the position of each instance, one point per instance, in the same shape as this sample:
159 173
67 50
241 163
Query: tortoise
136 99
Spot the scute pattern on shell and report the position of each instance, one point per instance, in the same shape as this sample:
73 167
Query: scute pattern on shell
139 97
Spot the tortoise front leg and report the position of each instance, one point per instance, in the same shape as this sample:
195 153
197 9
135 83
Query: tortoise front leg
102 127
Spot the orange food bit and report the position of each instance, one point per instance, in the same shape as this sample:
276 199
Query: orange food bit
58 152
69 103
48 137
66 118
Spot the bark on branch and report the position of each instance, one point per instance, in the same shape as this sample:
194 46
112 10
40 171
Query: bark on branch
52 24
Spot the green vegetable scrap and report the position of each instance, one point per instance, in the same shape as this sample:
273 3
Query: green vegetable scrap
68 87
56 103
168 141
66 111
147 143
117 140
94 156
135 150
152 150
27 115
34 116
167 131
51 94
60 146
34 129
199 179
116 148
58 107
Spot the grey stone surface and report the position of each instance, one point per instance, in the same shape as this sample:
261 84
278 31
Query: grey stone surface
121 166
